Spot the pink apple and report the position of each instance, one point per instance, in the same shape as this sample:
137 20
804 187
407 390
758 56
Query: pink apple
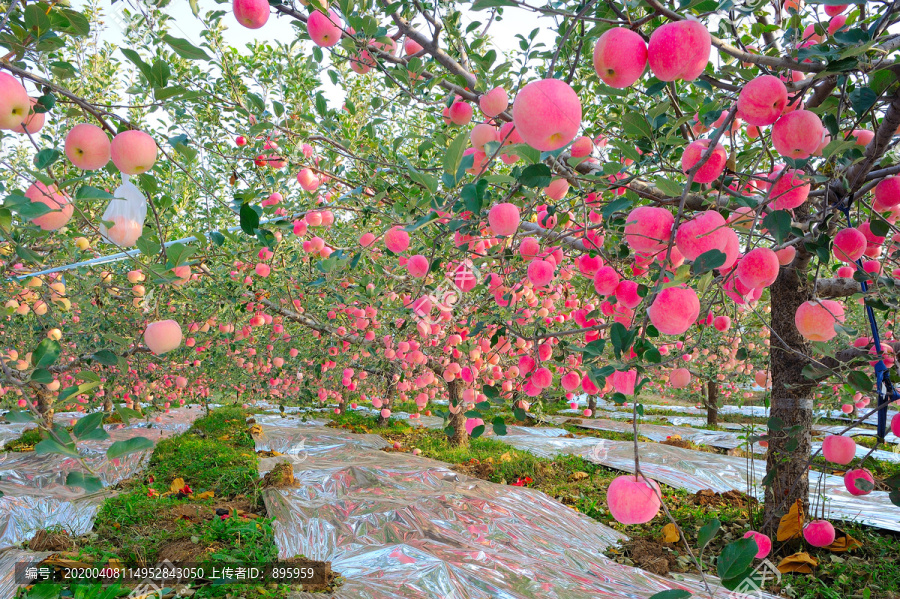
620 57
680 378
763 543
707 231
324 30
679 50
852 478
758 268
798 134
396 240
87 147
606 280
711 169
417 266
762 100
790 190
14 102
674 310
633 500
162 336
494 102
504 219
819 533
815 319
60 205
33 122
547 114
849 244
133 152
648 229
460 113
839 449
540 272
252 14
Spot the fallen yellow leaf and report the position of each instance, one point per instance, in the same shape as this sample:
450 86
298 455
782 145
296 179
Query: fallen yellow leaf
843 542
670 533
801 563
791 523
577 476
203 495
177 485
256 430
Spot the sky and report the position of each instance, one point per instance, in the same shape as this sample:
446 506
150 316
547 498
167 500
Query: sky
186 25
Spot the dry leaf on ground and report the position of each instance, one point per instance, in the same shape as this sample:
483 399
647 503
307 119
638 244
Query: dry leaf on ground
802 563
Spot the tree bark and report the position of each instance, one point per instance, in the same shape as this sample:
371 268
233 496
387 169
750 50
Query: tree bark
712 403
592 405
459 438
787 475
45 405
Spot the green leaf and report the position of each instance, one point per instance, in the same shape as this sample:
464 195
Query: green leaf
53 446
87 192
535 175
47 353
486 4
708 261
78 23
472 195
41 375
87 424
671 594
138 61
45 158
708 532
879 227
860 381
160 72
669 187
621 338
106 357
90 484
36 20
779 224
121 448
249 219
454 155
477 431
68 392
19 416
185 49
127 413
735 558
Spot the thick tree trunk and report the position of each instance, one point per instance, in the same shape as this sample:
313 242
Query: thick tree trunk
712 403
45 405
459 438
592 405
787 475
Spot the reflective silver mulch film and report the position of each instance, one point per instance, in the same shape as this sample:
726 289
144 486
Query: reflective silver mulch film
697 470
34 492
8 560
399 526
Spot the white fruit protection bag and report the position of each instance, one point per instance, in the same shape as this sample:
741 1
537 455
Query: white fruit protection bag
127 211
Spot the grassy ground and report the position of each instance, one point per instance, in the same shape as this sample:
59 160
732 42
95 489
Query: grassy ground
198 502
866 572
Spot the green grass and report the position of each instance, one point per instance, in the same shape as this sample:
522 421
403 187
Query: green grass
26 441
216 454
